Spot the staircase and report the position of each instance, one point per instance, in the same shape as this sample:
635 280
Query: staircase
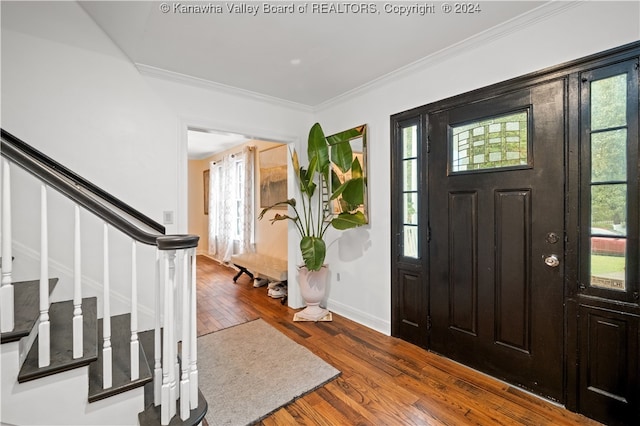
68 357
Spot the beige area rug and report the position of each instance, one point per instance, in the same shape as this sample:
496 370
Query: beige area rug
248 371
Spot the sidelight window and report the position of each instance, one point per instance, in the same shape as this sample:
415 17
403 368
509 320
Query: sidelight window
609 182
409 137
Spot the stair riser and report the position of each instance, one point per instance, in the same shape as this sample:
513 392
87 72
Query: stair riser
61 343
61 399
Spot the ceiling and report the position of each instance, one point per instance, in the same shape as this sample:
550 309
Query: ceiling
306 58
302 57
204 143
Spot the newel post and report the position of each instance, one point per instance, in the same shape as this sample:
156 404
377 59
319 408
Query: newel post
177 293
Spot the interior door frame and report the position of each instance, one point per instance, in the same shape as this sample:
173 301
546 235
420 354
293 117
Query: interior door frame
574 299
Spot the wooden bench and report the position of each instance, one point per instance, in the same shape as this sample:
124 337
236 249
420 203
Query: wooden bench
258 264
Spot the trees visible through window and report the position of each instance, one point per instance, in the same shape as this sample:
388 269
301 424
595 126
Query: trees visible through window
410 191
609 128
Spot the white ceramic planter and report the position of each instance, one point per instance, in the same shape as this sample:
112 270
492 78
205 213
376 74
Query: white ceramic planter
313 285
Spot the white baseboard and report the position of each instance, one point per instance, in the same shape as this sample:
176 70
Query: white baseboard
360 317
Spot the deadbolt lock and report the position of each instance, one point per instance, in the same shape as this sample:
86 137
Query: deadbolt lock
552 238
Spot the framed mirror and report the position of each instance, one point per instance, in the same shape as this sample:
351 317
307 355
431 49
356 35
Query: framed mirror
348 154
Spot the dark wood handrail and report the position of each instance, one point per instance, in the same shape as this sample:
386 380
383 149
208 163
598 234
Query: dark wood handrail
90 196
79 180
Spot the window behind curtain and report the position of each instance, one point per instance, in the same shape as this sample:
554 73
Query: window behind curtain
231 205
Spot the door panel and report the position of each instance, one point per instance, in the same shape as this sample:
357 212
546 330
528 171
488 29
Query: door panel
409 306
463 285
412 321
513 265
495 304
609 365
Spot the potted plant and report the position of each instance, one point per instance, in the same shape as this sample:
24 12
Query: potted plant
313 215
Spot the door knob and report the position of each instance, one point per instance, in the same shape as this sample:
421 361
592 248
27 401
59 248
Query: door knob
552 261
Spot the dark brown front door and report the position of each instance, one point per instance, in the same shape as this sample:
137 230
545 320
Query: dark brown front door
496 196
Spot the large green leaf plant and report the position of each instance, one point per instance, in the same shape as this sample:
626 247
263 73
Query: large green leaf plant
316 215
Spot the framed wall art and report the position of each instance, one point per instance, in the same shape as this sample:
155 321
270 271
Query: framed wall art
273 175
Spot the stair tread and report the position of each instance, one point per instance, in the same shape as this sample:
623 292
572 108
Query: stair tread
27 308
121 355
61 329
151 416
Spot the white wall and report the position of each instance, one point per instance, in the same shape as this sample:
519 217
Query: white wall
69 92
363 255
60 399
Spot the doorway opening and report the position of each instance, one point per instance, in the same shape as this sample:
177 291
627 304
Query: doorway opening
230 177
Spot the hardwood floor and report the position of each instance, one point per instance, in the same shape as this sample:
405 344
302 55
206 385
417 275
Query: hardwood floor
384 380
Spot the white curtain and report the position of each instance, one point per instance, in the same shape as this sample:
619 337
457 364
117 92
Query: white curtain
231 205
247 231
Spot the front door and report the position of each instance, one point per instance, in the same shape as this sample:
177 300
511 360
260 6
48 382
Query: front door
496 217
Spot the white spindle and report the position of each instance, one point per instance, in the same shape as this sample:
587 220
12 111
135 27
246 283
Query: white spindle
185 389
77 289
157 353
168 407
176 329
135 361
6 290
106 319
170 326
44 338
193 380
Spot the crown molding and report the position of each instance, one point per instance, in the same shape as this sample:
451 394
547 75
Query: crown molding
176 77
541 13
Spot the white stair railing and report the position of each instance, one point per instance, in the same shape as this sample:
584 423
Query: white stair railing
170 354
157 336
44 336
175 316
185 389
107 361
6 289
78 337
134 343
178 325
192 316
168 374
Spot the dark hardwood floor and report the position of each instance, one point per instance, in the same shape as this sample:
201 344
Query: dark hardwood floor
384 380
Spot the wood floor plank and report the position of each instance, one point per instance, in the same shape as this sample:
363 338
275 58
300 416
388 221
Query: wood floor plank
350 415
279 418
383 381
306 414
